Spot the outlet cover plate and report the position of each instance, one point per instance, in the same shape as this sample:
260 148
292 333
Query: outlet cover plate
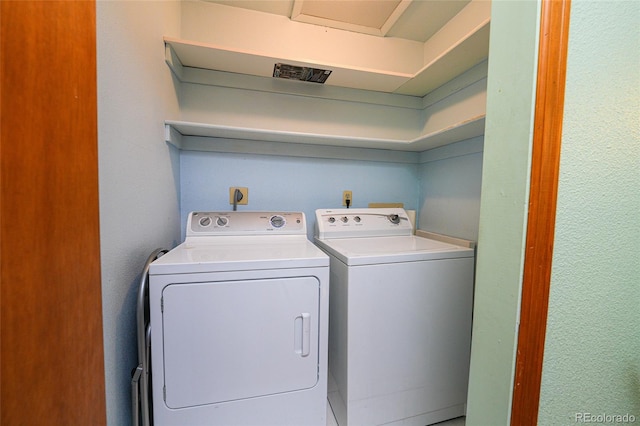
245 195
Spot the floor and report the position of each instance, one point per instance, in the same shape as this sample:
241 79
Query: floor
331 419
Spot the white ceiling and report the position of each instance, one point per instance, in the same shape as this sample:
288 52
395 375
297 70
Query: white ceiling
415 20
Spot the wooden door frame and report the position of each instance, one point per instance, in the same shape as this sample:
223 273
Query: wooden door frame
545 162
52 359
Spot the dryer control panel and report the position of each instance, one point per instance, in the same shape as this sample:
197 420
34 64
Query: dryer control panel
370 222
245 223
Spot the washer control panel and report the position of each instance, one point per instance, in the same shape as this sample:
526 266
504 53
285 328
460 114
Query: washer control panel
347 223
245 223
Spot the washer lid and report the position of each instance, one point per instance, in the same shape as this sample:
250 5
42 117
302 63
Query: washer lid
374 250
240 254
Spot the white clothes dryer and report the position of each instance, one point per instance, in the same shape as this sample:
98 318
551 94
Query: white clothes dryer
399 321
239 322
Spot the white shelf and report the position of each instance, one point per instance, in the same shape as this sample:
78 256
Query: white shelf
464 55
454 61
191 136
461 57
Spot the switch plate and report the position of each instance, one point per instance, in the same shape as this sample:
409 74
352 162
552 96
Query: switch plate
243 191
347 195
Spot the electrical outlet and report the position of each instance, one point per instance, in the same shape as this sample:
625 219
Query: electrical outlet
347 195
244 192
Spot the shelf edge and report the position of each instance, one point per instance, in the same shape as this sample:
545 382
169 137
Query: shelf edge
191 136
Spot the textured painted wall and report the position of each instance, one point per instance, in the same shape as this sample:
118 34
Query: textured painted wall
592 349
138 172
289 183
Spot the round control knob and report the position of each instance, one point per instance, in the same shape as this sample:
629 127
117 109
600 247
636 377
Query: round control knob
332 220
205 221
277 221
394 218
357 219
222 221
344 219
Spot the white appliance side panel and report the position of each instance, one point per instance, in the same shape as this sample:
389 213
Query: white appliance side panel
231 340
409 337
338 321
338 338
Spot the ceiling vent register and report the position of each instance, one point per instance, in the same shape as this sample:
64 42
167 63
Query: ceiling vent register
293 72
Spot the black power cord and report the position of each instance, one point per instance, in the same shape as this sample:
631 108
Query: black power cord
237 197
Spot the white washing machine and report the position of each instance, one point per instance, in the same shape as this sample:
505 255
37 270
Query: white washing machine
399 321
239 322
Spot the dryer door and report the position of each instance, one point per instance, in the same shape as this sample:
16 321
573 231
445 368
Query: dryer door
231 340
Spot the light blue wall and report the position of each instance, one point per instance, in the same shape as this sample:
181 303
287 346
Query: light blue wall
592 347
291 183
450 183
138 173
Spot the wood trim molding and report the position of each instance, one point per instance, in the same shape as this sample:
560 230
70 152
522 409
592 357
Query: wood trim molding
547 135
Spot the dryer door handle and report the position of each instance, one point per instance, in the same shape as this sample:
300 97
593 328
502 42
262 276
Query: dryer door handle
306 333
304 339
